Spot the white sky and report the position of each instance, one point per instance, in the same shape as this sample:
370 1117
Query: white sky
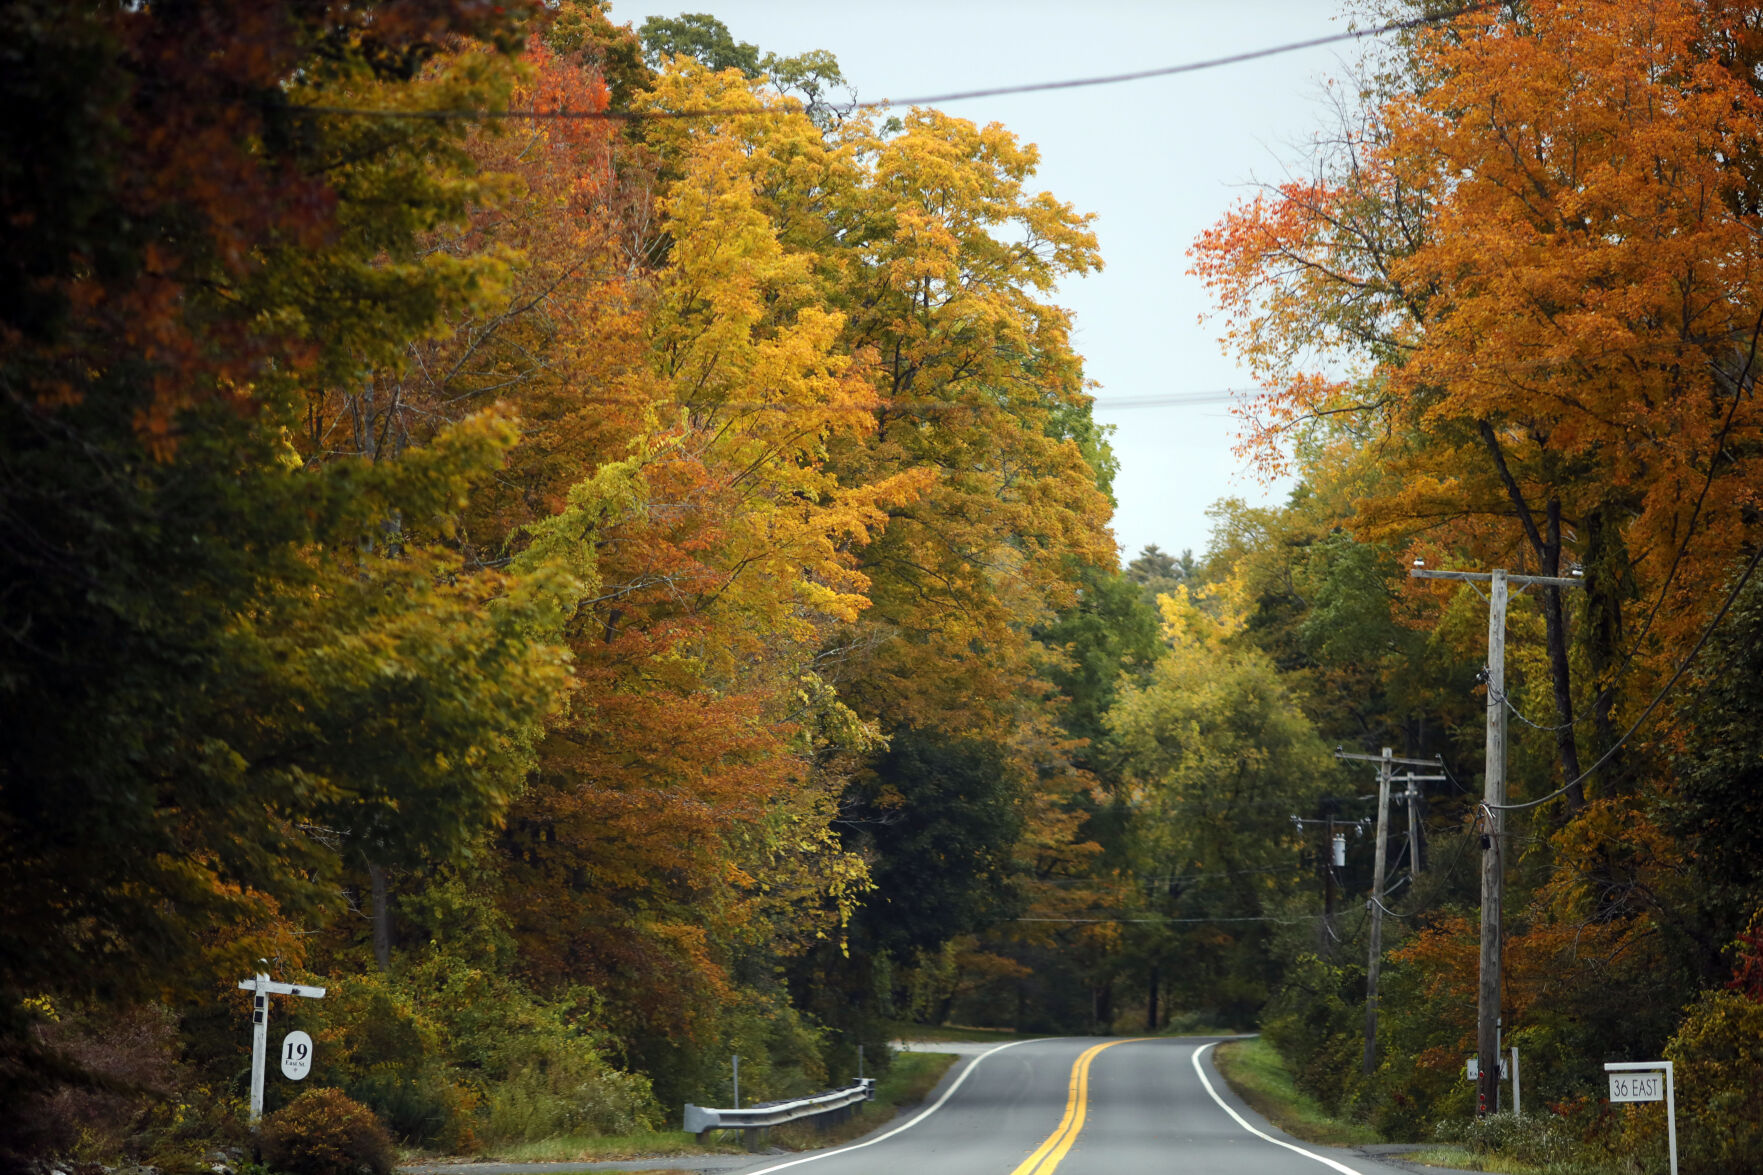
1157 161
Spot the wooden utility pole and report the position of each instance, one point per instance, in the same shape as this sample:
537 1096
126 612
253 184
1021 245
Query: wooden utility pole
1330 862
1493 855
1386 764
1373 963
1493 874
1416 828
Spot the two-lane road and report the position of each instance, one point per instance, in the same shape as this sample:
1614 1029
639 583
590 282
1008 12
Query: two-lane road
1080 1106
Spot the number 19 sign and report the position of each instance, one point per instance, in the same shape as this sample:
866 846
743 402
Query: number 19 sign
296 1055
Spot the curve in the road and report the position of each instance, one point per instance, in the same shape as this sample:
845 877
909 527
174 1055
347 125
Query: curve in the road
1146 1113
929 1110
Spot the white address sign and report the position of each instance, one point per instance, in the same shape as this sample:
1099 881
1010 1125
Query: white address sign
1647 1085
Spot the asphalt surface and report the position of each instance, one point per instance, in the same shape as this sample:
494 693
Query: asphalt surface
1014 1111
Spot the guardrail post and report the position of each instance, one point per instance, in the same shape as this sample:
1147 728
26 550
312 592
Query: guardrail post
754 1121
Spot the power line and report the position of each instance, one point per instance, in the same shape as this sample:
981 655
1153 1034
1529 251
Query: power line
1443 766
1740 382
1657 698
1289 921
1175 399
1506 700
1168 878
1153 400
895 408
928 99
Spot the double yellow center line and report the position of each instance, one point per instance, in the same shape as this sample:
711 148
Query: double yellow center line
1048 1155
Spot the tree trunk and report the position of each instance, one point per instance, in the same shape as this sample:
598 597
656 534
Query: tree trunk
382 918
1548 552
1555 626
1151 1001
1606 563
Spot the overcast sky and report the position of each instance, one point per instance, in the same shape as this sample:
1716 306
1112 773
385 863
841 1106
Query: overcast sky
1157 161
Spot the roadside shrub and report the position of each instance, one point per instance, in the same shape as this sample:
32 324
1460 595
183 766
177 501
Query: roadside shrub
419 1106
1315 1023
451 1055
537 1101
1718 1059
92 1081
326 1132
1537 1139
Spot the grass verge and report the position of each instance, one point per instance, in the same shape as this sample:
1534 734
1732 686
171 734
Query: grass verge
1192 1024
909 1079
590 1148
1259 1076
1457 1158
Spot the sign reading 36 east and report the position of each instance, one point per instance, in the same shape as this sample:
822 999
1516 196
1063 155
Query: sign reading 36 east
1646 1085
296 1055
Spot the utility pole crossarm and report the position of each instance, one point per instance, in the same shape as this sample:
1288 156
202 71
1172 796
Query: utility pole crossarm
1487 577
1393 759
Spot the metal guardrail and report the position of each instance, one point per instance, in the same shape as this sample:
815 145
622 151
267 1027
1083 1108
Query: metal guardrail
701 1120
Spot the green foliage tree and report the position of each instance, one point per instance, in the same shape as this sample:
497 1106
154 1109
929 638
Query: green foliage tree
1158 573
1216 757
698 35
943 815
1110 635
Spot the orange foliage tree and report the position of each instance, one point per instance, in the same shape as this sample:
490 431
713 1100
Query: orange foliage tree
1545 256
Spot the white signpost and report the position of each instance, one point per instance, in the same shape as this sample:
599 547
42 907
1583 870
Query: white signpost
1647 1081
296 1055
1472 1070
262 987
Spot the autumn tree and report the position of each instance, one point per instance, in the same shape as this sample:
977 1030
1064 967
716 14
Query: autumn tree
1536 245
229 669
1545 249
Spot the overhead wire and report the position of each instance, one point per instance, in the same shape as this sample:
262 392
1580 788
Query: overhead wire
1284 921
1138 75
1741 383
1103 403
1455 782
1379 904
1682 667
1169 878
1506 700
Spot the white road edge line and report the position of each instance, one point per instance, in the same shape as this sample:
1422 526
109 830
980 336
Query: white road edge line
927 1112
1241 1121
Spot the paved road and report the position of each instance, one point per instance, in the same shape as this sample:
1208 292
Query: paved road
1082 1107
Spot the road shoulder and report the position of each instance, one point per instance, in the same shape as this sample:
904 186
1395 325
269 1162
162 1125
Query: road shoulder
1371 1159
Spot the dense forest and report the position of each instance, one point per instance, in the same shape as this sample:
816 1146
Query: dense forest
594 546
